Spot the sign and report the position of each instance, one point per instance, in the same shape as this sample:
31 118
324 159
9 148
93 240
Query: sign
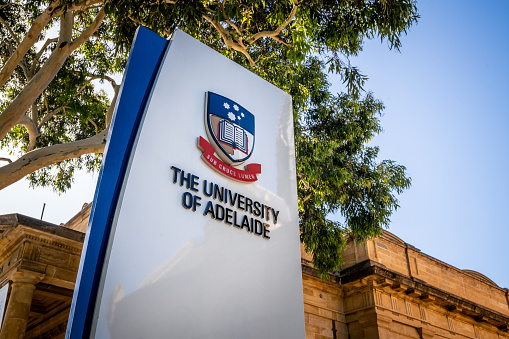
3 301
203 237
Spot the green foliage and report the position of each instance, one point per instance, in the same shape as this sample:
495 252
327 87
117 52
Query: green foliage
73 106
338 171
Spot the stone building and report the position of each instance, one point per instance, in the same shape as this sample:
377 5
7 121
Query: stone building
385 289
390 289
38 266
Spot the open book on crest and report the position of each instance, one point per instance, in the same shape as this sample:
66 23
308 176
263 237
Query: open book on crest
233 135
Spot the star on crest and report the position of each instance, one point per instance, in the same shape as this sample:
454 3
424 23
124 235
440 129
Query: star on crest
231 116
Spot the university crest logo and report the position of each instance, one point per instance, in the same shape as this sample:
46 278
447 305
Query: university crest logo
231 132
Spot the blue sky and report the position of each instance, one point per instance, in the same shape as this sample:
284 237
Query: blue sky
446 118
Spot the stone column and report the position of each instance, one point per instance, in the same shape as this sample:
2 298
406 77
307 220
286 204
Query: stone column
18 306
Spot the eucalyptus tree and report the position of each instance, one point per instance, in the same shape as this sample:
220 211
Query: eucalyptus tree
54 119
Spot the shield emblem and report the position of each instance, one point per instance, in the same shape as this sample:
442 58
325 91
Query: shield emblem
230 128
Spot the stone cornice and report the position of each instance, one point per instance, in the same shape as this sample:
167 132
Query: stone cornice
31 248
17 219
384 278
12 238
8 221
307 268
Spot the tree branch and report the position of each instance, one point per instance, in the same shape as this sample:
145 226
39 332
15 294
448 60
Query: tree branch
25 69
44 76
10 3
116 87
10 47
50 115
239 48
307 198
141 23
28 41
52 11
82 88
46 156
35 113
33 131
232 24
66 25
6 159
224 34
102 77
111 109
22 63
46 43
239 45
95 125
36 62
94 77
278 39
274 34
229 41
90 30
2 21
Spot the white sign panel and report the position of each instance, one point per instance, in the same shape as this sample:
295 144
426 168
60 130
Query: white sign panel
3 301
205 240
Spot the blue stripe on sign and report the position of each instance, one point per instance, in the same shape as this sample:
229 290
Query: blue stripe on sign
143 64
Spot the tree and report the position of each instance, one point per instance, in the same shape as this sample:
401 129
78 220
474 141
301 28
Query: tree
55 119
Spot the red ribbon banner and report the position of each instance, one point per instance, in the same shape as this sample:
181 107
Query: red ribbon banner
249 175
